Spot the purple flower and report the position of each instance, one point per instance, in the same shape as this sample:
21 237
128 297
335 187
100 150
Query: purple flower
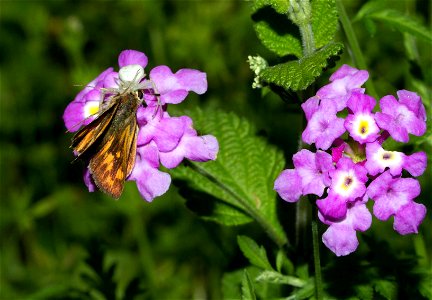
323 127
394 196
409 218
360 123
341 236
311 175
342 188
150 181
347 184
190 146
344 81
402 117
379 159
173 88
313 169
161 138
83 109
288 185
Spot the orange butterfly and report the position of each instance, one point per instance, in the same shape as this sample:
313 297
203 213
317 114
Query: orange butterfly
109 142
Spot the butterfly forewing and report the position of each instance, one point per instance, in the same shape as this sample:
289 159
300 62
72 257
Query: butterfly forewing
113 151
88 135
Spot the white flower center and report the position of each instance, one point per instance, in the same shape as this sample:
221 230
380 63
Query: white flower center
363 124
387 158
346 183
91 108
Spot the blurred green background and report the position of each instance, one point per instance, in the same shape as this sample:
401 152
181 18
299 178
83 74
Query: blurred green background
58 240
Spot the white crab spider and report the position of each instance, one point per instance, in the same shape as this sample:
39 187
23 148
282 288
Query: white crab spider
130 80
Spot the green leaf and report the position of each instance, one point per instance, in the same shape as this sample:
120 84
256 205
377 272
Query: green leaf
248 290
241 178
227 214
404 23
232 284
280 6
386 288
256 255
280 43
275 30
305 292
298 75
364 292
324 21
283 264
278 278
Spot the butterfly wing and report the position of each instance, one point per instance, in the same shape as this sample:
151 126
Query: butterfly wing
115 157
88 135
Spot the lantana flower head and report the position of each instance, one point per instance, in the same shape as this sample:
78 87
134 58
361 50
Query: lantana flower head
347 171
161 139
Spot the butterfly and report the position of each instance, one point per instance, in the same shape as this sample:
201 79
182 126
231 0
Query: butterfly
109 142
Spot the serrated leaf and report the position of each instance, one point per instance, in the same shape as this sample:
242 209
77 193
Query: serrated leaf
377 10
280 6
298 75
277 32
280 43
278 278
324 21
386 288
256 255
242 176
248 290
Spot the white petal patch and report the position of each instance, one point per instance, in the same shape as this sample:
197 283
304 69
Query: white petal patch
364 125
387 158
346 183
91 108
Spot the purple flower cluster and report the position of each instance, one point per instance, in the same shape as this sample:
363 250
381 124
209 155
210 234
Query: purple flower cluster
162 139
345 174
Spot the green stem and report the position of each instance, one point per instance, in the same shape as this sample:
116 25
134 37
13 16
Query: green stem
316 255
276 235
307 39
355 47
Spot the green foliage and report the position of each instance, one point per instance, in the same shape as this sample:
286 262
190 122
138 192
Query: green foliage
60 242
280 6
257 255
378 11
248 291
240 181
278 278
298 75
278 34
324 22
281 44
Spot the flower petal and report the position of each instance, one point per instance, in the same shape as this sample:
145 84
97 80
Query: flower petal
132 57
409 217
150 181
288 185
